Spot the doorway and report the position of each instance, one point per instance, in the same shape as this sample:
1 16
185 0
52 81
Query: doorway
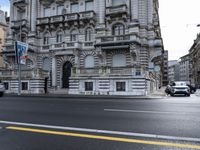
66 74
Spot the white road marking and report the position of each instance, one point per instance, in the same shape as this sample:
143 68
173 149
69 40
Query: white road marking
164 137
151 112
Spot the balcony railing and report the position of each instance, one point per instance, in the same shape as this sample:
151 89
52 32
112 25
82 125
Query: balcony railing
44 20
115 38
117 9
58 46
18 23
76 45
19 3
55 19
71 17
120 70
89 71
87 15
45 47
88 44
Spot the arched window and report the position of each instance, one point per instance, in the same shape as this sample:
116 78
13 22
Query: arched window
74 35
59 37
119 60
46 64
88 34
89 61
118 29
46 39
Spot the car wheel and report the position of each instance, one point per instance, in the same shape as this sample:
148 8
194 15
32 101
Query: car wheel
172 94
188 95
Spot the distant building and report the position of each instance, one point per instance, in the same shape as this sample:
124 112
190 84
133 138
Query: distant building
184 68
3 30
194 54
173 70
165 69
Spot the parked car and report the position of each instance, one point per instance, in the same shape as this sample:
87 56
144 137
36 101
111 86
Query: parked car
2 89
179 88
192 88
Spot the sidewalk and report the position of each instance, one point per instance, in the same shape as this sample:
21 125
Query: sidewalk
86 96
160 92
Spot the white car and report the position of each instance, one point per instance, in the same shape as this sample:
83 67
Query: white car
179 88
2 89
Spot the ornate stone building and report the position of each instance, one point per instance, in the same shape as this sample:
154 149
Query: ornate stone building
85 46
194 54
3 28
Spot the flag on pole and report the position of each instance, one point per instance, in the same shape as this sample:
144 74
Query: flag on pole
21 52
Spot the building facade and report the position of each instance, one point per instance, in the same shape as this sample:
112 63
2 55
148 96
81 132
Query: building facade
85 46
173 70
184 68
3 28
194 54
165 69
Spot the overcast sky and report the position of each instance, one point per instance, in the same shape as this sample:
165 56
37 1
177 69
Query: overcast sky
178 20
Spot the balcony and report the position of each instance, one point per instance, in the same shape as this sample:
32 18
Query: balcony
71 17
88 44
73 45
43 21
56 19
117 11
58 46
89 71
45 47
17 23
121 71
20 3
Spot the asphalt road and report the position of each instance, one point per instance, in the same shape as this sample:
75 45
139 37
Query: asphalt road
39 123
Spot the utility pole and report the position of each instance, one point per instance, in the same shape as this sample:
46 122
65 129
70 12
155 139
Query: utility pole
19 64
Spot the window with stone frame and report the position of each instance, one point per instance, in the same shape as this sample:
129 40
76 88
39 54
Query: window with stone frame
138 72
88 34
74 35
120 86
47 12
59 37
74 8
46 39
89 61
24 86
88 86
118 29
119 60
60 9
89 5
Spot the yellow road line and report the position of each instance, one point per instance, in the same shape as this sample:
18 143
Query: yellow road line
109 138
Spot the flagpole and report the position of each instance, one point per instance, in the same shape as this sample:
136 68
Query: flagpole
19 64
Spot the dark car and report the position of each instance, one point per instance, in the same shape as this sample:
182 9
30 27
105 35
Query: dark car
192 88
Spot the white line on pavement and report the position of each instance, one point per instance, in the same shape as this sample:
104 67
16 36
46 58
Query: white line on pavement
152 112
105 131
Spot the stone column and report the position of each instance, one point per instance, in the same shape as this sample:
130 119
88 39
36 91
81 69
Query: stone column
134 9
150 11
54 70
102 8
33 15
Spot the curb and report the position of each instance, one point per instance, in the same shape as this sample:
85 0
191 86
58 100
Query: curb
85 96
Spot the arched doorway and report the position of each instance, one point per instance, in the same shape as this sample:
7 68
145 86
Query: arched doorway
66 74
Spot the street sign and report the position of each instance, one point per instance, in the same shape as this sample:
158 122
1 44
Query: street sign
21 52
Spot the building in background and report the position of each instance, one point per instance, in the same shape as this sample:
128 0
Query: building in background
173 70
3 30
184 64
165 70
85 47
194 54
